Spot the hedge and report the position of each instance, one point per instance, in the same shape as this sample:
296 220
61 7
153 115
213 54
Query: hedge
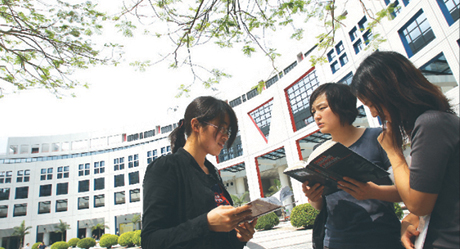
126 239
303 215
72 242
60 245
108 240
137 237
34 246
86 243
398 211
267 221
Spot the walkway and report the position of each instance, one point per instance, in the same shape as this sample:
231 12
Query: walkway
283 236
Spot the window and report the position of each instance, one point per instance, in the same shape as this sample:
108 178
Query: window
45 148
4 194
416 34
119 180
13 149
35 149
61 205
24 149
133 161
133 178
151 155
23 176
450 10
44 207
358 46
46 174
83 202
20 210
335 66
362 24
331 55
22 193
395 6
62 188
99 167
343 59
63 172
83 186
55 147
347 79
45 190
334 53
83 169
99 183
299 95
3 211
262 117
134 195
99 201
120 198
5 176
118 163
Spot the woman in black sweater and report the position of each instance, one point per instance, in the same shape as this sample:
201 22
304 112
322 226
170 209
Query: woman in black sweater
185 202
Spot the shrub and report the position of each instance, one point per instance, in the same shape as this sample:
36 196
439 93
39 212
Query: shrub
137 237
398 211
267 221
2 247
108 240
72 242
34 246
303 215
86 243
126 239
60 245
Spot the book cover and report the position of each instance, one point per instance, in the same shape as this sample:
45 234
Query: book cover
330 162
263 206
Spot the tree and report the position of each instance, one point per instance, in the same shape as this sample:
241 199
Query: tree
61 228
239 200
274 188
43 42
99 227
21 231
137 219
243 22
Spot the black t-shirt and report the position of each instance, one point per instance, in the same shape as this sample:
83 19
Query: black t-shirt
434 169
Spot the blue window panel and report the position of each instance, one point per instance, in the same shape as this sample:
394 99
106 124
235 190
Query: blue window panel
358 46
339 48
335 67
367 37
347 79
450 10
363 24
416 34
331 55
343 59
353 34
396 7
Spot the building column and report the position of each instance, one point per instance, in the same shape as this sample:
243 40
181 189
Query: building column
46 238
284 180
240 189
88 232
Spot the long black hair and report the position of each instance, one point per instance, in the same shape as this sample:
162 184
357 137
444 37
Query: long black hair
204 109
389 80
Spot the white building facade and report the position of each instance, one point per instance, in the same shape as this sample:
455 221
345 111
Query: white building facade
86 179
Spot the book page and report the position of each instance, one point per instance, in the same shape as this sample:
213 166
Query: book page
424 221
320 149
260 207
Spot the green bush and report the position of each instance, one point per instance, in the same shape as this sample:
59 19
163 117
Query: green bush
267 221
126 239
398 211
72 242
137 237
2 247
60 245
303 215
108 240
86 243
35 246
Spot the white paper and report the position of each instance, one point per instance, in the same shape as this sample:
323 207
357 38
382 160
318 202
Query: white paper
424 221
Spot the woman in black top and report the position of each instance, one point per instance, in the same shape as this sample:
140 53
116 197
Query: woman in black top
416 111
185 202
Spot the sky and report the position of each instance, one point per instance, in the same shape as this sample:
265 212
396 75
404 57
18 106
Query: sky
121 96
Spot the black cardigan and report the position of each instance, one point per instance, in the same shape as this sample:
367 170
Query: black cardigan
177 198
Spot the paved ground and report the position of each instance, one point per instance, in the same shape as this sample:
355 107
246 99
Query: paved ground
283 236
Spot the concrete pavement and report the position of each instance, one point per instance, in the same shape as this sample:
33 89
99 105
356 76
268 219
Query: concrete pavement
282 236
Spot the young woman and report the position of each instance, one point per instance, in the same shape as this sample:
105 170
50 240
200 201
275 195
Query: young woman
185 203
362 215
415 110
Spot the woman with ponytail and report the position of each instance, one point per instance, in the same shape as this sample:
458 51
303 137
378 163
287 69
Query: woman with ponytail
185 203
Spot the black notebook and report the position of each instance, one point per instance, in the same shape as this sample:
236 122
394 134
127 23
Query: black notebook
330 162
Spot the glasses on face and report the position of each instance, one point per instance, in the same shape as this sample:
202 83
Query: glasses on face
222 130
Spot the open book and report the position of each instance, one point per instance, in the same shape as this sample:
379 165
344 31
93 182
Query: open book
263 206
330 162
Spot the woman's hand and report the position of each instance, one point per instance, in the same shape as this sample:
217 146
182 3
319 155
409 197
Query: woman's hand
359 190
245 231
386 139
225 218
314 192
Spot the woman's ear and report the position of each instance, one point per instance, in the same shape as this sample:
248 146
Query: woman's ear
195 124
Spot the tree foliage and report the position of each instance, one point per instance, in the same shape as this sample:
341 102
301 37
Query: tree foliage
239 200
43 42
21 231
61 228
99 227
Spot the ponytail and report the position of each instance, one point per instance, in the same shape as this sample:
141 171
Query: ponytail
177 137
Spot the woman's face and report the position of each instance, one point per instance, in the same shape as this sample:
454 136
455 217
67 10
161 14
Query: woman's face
374 111
326 120
211 143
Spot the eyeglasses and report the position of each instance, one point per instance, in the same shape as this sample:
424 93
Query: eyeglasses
222 130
